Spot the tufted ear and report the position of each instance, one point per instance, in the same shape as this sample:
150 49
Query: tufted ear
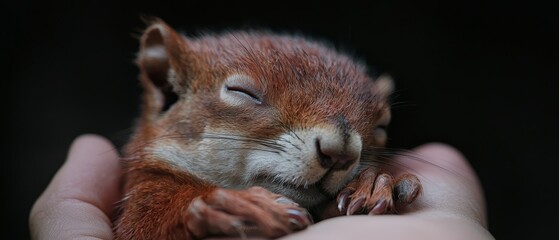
166 64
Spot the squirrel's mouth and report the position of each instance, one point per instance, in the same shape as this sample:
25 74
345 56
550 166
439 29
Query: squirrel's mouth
304 193
298 184
268 180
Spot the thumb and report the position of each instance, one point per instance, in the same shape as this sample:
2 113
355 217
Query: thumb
449 182
80 197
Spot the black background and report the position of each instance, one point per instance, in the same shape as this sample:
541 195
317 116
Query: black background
479 75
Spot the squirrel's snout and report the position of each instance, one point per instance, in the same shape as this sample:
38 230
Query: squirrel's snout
337 153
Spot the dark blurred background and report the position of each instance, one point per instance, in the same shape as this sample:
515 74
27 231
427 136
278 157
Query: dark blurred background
479 75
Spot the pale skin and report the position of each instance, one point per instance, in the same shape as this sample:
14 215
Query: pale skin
78 202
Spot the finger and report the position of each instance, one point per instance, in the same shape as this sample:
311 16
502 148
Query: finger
81 194
449 182
91 173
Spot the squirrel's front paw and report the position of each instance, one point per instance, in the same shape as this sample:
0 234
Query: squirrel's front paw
251 211
375 192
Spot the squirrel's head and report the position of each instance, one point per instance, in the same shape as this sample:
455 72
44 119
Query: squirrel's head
255 108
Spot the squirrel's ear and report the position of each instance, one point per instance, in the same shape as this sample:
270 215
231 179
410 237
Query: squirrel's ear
164 58
165 63
384 85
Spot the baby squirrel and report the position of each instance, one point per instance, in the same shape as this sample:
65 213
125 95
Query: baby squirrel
245 131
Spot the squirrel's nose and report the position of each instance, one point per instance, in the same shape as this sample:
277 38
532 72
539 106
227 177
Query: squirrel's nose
333 152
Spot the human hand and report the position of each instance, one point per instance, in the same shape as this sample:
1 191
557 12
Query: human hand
452 205
80 198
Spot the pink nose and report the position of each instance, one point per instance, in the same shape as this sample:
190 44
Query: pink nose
336 155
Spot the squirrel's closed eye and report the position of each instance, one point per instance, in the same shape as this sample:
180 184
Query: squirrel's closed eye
244 92
240 90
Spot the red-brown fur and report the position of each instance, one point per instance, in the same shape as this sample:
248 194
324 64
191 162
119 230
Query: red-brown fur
300 76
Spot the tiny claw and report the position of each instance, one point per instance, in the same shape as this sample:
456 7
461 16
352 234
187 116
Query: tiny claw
379 208
286 201
297 223
355 205
303 218
342 198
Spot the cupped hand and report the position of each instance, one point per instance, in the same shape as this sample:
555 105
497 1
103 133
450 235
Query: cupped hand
80 199
452 205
